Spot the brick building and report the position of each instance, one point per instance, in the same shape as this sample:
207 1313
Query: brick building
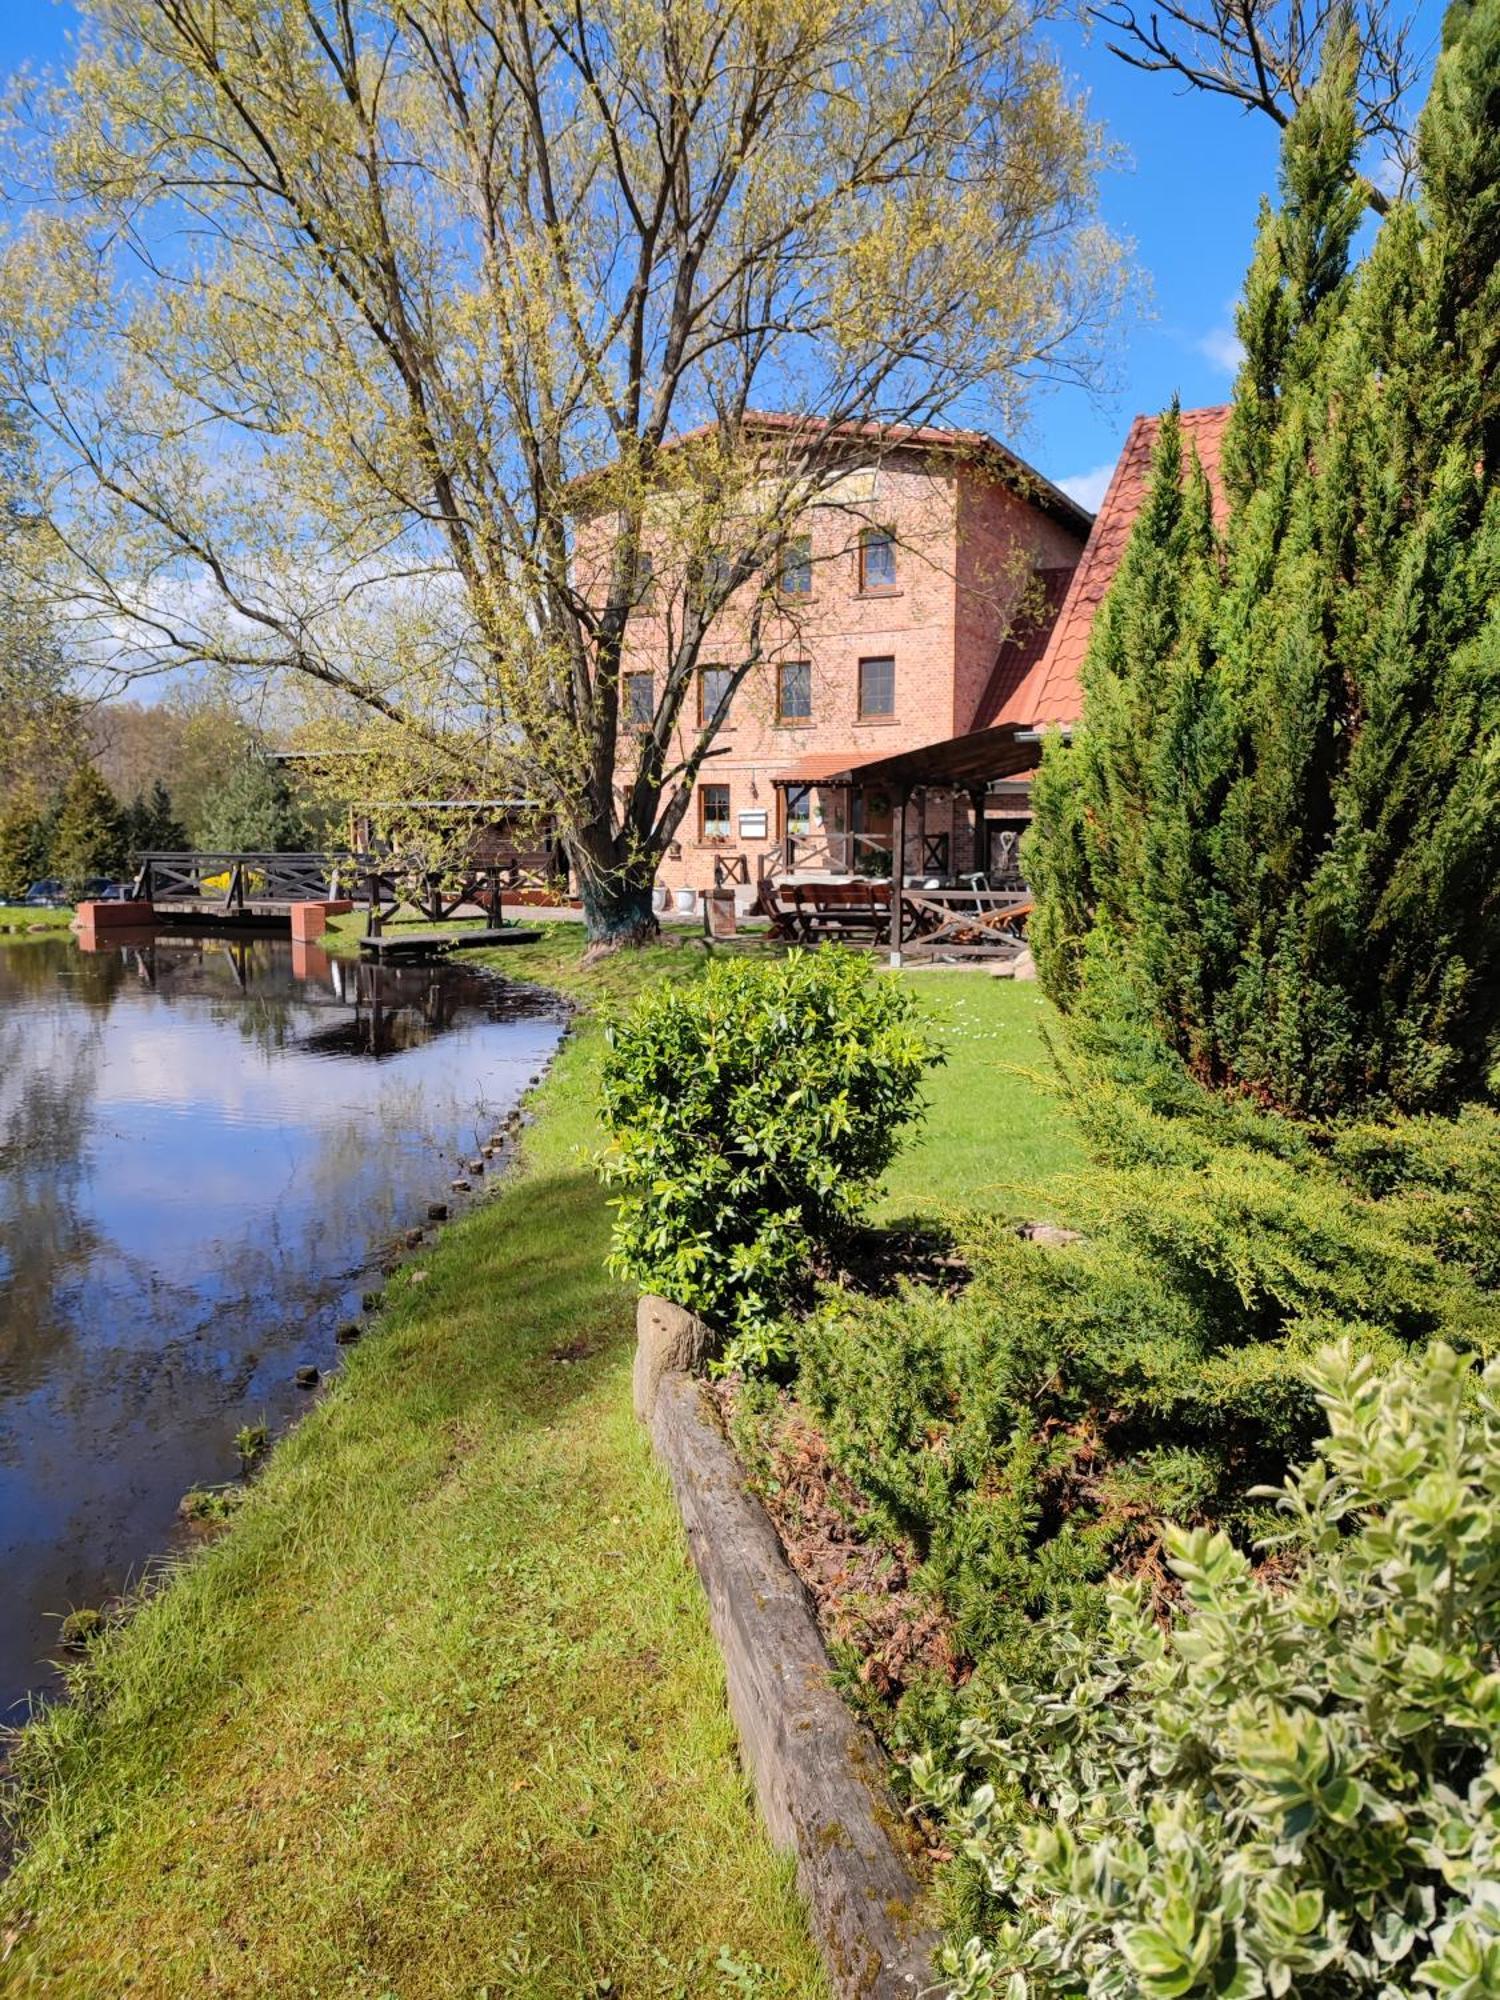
916 590
936 603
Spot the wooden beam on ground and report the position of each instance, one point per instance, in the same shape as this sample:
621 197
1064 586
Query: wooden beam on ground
820 1776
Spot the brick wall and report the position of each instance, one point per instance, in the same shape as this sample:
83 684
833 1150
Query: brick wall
965 544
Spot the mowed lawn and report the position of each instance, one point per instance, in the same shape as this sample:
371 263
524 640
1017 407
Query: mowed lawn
998 1132
441 1713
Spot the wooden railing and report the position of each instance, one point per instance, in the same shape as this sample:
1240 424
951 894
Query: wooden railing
231 881
862 854
237 884
387 885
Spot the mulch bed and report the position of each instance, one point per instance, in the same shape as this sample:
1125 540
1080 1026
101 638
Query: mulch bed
861 1586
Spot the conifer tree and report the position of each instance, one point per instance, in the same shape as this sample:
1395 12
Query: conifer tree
254 814
23 852
1093 799
1294 846
89 837
151 824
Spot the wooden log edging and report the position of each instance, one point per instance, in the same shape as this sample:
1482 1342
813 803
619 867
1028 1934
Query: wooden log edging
819 1773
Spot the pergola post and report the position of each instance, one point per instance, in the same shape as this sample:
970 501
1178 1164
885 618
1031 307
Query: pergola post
978 858
898 871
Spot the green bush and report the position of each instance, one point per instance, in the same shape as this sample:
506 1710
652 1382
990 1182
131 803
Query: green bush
1293 1784
1282 808
751 1115
1033 1433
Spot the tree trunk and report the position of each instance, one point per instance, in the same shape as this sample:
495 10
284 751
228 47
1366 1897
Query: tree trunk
617 903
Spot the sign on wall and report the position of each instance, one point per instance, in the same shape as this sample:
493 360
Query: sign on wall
753 826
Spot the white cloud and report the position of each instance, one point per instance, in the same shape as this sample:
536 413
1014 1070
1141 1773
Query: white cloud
1223 347
1088 488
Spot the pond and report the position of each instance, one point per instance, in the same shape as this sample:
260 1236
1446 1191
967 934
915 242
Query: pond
207 1147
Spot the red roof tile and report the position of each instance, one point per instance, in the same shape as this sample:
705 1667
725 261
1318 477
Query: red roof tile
1013 682
1054 690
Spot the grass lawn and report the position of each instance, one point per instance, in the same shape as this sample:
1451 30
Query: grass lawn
16 920
441 1713
997 1132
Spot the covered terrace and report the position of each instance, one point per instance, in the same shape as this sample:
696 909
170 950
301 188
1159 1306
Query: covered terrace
937 828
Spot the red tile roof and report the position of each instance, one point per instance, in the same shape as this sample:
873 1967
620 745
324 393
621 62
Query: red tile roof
823 766
1013 682
1053 691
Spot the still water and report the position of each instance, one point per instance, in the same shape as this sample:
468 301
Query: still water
206 1147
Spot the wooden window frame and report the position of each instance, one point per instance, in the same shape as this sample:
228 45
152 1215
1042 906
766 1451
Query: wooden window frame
874 714
868 538
704 711
783 719
718 567
708 839
632 720
787 829
803 564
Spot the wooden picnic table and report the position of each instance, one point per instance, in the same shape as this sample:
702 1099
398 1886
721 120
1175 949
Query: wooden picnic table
828 912
977 922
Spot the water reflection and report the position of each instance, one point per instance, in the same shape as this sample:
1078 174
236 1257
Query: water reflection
205 1145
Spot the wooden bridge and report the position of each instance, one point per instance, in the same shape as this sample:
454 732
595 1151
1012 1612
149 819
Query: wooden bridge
245 889
239 885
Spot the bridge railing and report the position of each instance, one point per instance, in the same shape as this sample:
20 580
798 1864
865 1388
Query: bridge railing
230 881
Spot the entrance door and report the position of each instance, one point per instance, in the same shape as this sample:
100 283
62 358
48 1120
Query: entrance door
874 828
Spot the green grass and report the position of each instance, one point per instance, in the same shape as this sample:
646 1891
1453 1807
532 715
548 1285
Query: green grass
997 1132
440 1714
16 920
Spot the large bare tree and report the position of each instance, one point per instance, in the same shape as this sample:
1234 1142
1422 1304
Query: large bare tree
363 336
1265 55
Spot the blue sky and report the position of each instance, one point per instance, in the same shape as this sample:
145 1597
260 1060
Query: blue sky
1185 194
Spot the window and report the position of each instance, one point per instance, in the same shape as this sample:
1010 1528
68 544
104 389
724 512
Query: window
799 809
713 812
794 691
796 568
713 685
640 700
877 688
645 576
877 560
718 567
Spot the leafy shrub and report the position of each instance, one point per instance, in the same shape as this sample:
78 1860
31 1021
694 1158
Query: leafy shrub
1294 1785
752 1114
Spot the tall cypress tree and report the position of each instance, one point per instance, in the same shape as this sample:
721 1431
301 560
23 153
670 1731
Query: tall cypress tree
1311 792
1093 799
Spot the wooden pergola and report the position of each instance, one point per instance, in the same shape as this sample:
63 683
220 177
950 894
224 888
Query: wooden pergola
970 763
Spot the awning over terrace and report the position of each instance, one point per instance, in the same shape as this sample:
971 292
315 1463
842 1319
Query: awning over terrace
964 763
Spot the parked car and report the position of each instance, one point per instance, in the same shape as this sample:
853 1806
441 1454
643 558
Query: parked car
48 894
